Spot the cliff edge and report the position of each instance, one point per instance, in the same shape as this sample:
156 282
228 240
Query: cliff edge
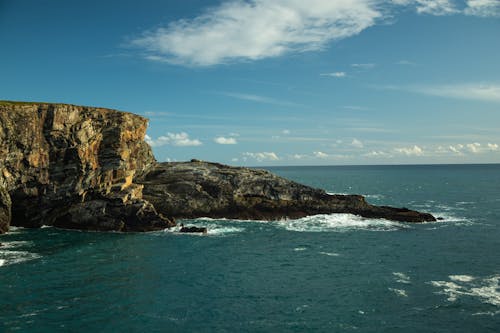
74 167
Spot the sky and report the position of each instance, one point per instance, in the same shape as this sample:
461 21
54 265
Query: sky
271 82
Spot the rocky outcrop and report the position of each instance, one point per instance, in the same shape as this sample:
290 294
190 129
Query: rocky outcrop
89 168
74 167
201 189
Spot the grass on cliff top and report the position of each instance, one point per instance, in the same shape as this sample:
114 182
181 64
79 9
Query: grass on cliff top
22 103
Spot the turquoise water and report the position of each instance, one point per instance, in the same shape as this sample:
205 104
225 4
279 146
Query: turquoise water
327 273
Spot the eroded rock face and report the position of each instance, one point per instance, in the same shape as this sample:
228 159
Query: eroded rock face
74 167
5 205
201 189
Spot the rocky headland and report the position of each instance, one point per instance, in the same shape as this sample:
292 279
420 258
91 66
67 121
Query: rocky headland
89 168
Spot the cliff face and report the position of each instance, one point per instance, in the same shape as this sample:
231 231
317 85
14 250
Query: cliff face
74 167
196 189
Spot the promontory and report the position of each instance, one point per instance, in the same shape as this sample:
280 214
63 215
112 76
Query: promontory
89 168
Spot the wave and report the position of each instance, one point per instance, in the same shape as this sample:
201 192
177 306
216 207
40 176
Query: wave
9 257
486 290
399 292
337 223
401 277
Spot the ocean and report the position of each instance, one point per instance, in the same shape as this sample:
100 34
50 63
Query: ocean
324 273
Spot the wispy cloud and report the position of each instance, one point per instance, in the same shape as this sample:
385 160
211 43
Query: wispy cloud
225 141
257 29
430 7
363 66
175 139
334 74
357 143
473 91
406 63
483 8
258 99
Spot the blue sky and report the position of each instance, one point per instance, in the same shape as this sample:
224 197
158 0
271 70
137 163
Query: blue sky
275 82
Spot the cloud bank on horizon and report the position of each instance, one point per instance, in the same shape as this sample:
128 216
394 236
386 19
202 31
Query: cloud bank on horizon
238 31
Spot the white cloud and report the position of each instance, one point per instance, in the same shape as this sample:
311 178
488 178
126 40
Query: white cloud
257 29
483 8
431 7
225 141
175 139
286 132
410 151
298 156
456 149
263 156
377 153
356 143
474 147
492 146
320 154
334 74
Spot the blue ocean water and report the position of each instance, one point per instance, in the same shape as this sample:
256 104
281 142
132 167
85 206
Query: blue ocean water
326 273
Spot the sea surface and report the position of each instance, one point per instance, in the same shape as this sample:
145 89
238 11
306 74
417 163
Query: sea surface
325 273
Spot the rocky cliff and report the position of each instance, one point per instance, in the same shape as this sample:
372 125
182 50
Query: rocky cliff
74 167
90 168
196 189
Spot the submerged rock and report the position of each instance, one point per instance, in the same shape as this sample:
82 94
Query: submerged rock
202 189
193 229
74 167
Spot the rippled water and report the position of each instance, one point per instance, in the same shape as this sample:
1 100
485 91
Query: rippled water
330 273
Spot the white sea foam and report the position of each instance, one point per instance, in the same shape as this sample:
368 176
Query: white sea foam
487 290
461 278
15 244
338 223
399 292
300 249
9 257
401 277
330 254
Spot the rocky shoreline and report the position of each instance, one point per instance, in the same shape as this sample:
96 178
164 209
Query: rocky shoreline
89 168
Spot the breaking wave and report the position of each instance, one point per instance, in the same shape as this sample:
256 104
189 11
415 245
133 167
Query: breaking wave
338 223
486 290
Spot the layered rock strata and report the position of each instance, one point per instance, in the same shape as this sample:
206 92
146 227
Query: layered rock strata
201 189
74 167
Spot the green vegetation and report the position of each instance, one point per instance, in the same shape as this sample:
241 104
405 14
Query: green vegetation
22 103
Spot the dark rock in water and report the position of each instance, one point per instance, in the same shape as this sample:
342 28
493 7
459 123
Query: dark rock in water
5 210
74 167
193 229
440 218
202 189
